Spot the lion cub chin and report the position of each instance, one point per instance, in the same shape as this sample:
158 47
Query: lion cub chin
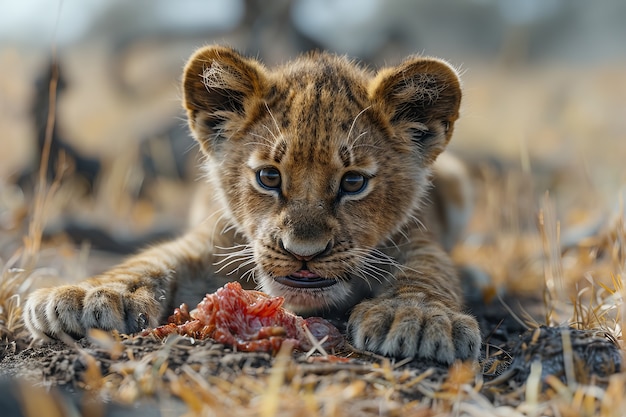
319 190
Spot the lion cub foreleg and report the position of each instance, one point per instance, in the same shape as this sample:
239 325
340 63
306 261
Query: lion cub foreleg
420 315
128 298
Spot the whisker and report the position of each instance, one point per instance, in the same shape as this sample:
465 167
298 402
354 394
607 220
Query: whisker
240 246
393 244
242 254
375 273
229 227
238 254
402 233
418 222
359 273
378 256
248 275
221 219
225 263
266 142
234 261
242 265
270 131
363 275
275 122
354 122
367 145
372 261
250 261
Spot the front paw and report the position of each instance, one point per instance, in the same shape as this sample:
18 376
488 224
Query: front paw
409 328
51 313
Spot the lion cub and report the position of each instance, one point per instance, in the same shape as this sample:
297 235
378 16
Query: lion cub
318 191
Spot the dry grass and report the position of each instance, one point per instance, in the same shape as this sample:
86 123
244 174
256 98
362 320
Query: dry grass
516 238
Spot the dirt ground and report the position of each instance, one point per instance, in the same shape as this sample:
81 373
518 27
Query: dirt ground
83 373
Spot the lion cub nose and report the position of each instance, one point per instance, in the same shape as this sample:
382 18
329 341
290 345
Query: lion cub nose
305 251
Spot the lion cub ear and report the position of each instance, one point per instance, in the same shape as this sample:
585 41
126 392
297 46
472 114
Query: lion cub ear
421 99
219 88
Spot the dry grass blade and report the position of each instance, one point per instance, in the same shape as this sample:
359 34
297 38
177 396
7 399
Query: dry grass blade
16 272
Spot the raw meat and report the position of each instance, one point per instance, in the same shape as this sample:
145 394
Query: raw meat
248 321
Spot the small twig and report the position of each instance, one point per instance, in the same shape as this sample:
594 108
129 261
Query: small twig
317 344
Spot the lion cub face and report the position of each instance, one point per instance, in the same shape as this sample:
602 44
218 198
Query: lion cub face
319 163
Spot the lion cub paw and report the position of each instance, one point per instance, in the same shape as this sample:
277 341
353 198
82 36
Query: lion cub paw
51 313
406 328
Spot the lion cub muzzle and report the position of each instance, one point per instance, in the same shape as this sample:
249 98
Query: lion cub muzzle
306 237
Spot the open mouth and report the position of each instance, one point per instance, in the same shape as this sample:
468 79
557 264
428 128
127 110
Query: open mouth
305 279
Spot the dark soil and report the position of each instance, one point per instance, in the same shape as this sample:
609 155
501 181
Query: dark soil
509 349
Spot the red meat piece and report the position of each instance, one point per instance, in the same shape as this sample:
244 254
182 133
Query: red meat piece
248 321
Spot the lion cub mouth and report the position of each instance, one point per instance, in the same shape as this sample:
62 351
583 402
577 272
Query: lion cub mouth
305 279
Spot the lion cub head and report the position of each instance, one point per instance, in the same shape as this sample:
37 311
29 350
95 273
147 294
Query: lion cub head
319 163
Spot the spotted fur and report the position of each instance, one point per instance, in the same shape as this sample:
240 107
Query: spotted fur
318 191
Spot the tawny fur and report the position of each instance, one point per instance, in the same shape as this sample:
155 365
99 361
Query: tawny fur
320 169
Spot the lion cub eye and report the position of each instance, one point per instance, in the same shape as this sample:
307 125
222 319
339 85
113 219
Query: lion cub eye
353 183
268 178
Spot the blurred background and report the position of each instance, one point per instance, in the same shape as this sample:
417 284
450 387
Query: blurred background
544 81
